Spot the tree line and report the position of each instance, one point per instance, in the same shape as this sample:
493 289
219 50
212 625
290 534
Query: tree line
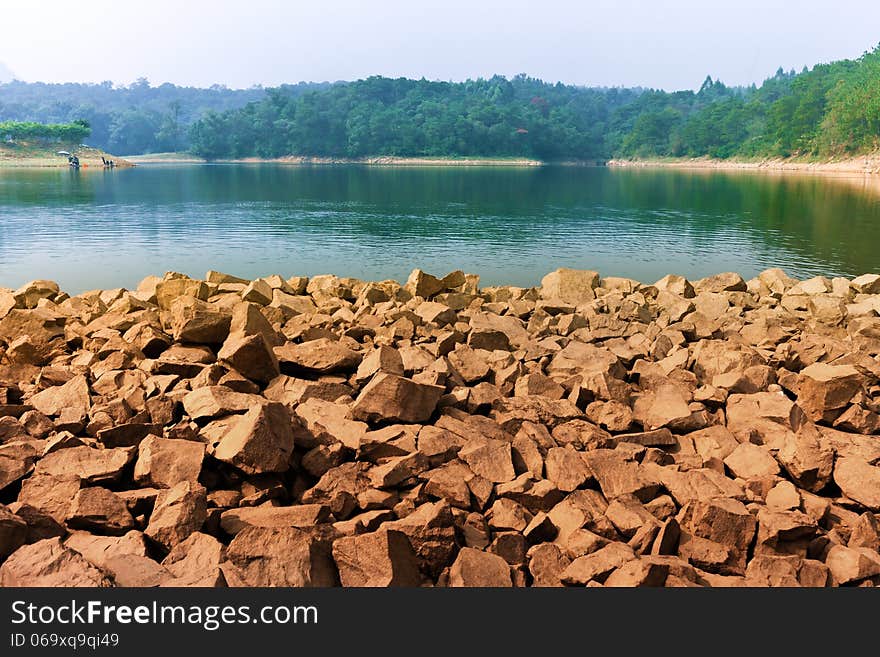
831 109
64 133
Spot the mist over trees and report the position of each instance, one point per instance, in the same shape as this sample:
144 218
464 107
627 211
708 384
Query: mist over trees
829 110
128 120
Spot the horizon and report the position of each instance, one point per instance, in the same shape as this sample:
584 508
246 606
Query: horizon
268 43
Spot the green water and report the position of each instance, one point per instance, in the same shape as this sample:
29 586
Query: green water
98 229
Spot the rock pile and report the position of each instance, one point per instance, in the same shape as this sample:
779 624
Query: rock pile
325 431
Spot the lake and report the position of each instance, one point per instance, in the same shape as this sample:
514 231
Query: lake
103 229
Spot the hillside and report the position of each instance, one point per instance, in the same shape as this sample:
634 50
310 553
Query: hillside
831 110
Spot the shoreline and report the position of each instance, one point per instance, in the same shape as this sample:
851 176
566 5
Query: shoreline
303 160
866 164
90 158
586 431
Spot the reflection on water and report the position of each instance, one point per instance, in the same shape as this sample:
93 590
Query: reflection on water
93 229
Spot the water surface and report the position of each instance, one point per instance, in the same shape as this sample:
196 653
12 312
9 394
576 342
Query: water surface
98 229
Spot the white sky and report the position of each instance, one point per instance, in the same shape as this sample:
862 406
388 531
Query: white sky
671 44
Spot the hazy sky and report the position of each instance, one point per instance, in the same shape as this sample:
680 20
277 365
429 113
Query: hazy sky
671 44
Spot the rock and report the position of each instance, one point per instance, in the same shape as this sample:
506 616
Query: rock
321 356
164 462
93 466
282 557
726 282
392 398
381 558
73 398
216 401
98 549
750 461
775 527
716 535
807 458
50 493
178 512
251 355
100 511
381 359
489 458
13 532
566 468
676 285
783 497
196 561
260 441
859 481
198 322
866 284
16 461
597 565
48 563
475 568
570 285
827 388
850 565
639 573
617 476
300 515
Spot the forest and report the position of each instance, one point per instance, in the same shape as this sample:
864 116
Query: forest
828 110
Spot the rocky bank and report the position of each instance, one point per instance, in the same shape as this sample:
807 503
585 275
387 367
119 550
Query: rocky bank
330 431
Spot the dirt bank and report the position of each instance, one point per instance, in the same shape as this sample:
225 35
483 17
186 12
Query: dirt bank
863 164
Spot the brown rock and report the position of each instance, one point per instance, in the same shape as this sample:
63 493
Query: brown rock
48 563
178 512
196 561
93 466
489 458
321 356
639 573
13 532
391 398
50 493
750 461
617 476
475 568
572 285
251 355
807 458
826 387
164 462
282 557
716 535
215 401
859 481
261 441
300 515
850 565
72 397
100 511
198 322
566 468
597 565
381 558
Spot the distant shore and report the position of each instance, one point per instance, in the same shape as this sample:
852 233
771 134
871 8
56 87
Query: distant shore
385 160
89 158
864 164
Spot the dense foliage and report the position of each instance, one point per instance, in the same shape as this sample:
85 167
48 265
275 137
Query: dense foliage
831 109
62 133
137 118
